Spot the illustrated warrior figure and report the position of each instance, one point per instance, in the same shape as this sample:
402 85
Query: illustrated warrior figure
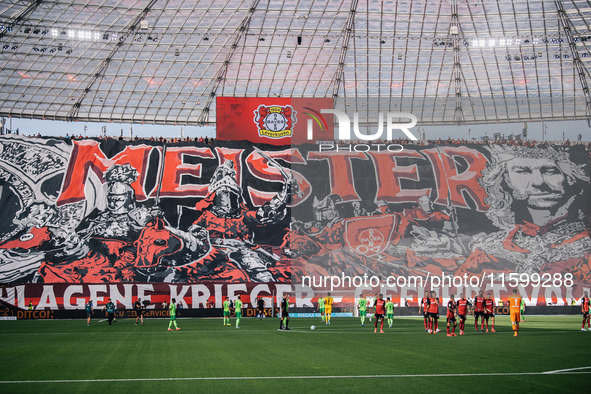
138 240
121 219
231 228
121 242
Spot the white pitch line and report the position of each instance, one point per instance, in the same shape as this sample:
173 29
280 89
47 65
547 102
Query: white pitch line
299 330
452 375
566 370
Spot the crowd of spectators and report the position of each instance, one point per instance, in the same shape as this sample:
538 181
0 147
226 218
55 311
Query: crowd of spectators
464 141
401 141
205 140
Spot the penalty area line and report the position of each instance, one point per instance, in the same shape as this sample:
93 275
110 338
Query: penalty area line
402 376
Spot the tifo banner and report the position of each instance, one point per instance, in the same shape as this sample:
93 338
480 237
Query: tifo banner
85 211
455 218
352 219
273 120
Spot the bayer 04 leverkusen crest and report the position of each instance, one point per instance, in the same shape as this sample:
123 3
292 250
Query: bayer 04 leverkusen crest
275 121
370 235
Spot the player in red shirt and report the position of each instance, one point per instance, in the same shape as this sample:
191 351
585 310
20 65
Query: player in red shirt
423 306
479 310
433 314
379 313
451 316
489 311
463 305
585 311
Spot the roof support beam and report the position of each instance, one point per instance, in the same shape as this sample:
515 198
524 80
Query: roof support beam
19 17
454 32
337 80
580 69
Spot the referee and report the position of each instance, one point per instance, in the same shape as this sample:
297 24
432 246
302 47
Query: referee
261 308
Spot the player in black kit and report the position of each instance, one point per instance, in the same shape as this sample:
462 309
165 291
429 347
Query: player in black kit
260 308
139 308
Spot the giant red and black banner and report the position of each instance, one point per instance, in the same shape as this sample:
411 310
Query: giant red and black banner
112 211
457 218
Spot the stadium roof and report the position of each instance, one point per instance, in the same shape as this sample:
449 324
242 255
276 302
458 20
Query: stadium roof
165 61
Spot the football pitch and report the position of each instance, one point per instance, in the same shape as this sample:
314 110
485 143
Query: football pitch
551 354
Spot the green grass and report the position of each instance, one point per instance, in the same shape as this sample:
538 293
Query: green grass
72 352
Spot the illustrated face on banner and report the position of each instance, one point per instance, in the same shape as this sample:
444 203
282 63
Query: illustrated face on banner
226 189
325 210
326 213
119 198
538 181
425 203
537 184
226 201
